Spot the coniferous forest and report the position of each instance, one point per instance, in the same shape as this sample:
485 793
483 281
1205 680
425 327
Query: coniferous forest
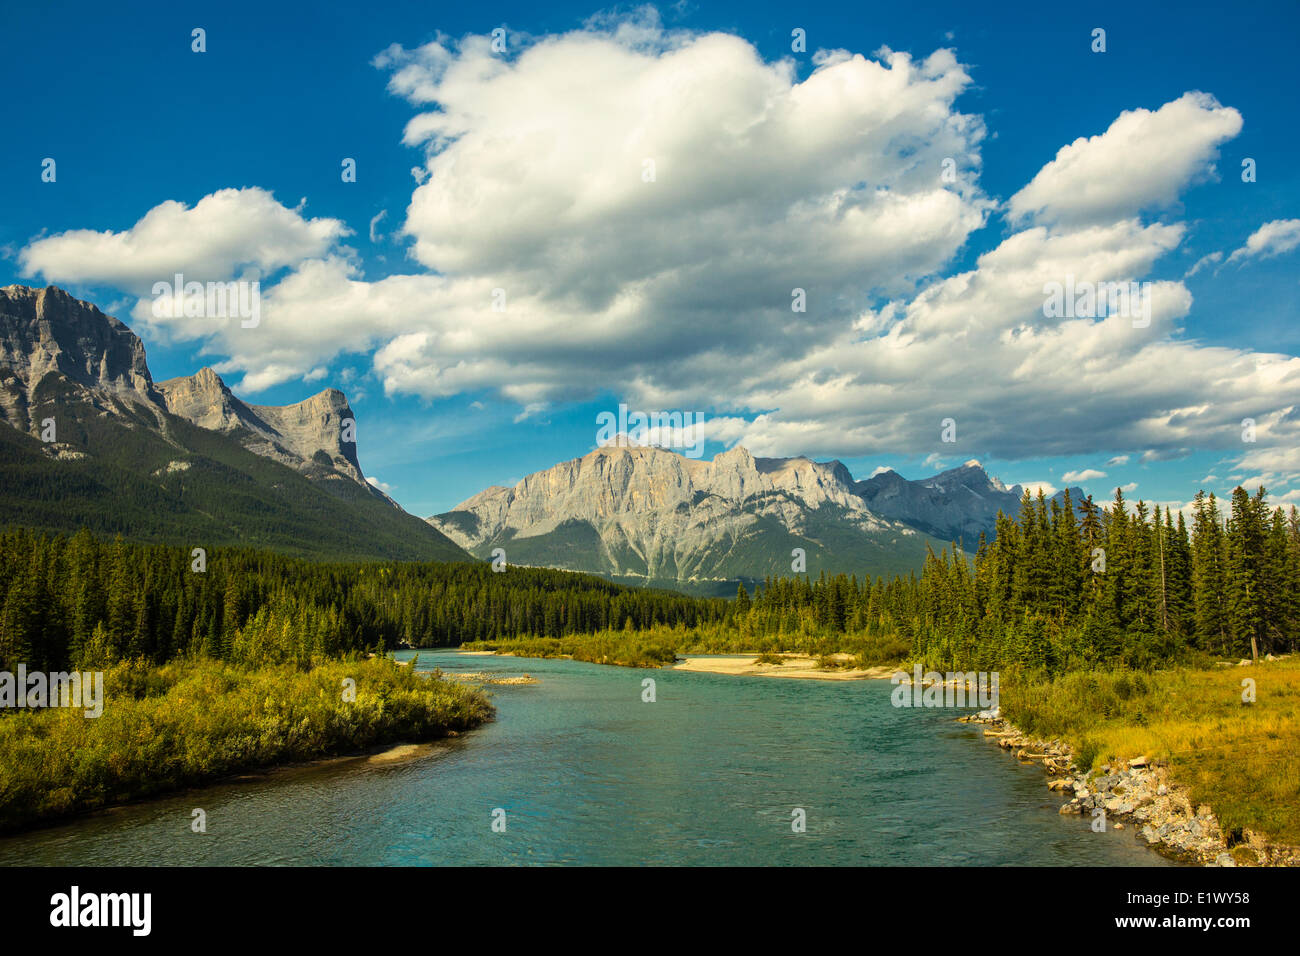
1117 585
1061 587
85 602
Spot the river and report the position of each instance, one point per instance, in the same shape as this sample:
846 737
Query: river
582 771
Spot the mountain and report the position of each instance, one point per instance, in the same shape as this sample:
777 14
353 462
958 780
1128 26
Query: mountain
184 461
656 517
955 505
307 437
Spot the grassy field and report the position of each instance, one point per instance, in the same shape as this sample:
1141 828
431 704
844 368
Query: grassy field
188 723
1243 759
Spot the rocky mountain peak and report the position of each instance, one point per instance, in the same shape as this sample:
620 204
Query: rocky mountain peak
45 331
307 435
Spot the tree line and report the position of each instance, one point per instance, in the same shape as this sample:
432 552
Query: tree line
1060 586
1119 585
82 601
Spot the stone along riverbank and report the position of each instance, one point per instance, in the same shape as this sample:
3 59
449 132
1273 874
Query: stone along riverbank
1138 794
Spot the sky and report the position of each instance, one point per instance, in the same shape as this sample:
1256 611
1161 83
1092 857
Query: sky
604 205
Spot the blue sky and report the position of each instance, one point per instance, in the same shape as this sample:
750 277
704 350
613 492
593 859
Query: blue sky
135 119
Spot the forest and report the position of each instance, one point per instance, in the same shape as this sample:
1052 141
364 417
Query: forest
1061 587
87 603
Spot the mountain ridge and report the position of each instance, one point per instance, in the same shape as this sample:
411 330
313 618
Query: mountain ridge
642 512
93 441
631 510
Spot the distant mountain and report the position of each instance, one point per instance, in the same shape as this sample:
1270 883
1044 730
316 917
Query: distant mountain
184 461
955 505
307 437
653 516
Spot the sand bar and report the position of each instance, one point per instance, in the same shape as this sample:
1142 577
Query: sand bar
794 665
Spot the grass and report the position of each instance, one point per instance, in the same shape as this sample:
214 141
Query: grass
1240 758
188 723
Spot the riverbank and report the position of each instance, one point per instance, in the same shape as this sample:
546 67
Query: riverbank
192 723
1202 761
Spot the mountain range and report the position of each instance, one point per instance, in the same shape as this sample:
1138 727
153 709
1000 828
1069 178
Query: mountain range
650 515
94 442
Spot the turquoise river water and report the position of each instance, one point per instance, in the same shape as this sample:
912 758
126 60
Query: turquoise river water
710 773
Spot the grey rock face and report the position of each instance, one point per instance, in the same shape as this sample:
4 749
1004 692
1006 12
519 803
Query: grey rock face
660 514
955 505
47 331
295 435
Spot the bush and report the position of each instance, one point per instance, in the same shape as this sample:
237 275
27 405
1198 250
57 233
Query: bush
188 723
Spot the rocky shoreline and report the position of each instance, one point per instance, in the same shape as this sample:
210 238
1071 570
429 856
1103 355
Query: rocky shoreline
1138 794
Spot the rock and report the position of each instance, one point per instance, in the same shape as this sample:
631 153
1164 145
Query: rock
678 518
1138 762
1161 790
1119 826
307 436
1243 662
45 331
1224 859
1062 784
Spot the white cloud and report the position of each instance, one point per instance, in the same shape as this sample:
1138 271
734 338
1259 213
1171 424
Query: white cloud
1271 239
1034 487
221 236
1131 486
531 410
1203 262
375 235
1086 474
1143 160
383 486
1117 460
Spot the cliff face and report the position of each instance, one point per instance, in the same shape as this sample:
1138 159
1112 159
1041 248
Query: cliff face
54 344
46 332
651 513
296 435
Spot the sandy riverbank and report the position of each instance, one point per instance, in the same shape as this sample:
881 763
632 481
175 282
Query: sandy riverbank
793 665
